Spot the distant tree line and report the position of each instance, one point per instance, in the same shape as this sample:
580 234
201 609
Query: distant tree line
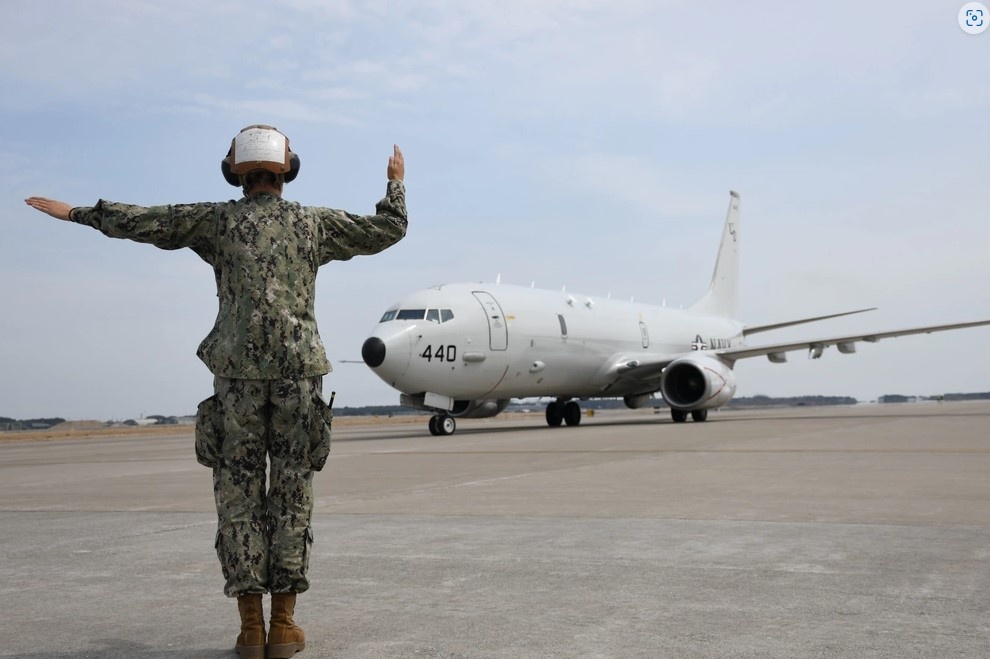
377 410
790 401
977 396
7 423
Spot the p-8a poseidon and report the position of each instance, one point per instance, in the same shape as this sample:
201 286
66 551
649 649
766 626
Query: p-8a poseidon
466 350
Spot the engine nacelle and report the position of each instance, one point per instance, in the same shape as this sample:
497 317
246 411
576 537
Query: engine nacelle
697 382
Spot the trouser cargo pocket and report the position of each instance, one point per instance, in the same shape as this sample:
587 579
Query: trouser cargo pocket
319 447
209 432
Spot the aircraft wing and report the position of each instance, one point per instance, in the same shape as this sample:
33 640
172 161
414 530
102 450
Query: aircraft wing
845 344
753 329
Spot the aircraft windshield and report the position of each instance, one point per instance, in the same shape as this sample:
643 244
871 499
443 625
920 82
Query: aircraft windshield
433 315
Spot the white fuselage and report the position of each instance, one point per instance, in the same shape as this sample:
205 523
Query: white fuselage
506 341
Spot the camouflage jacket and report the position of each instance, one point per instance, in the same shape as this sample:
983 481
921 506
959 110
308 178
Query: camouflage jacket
265 252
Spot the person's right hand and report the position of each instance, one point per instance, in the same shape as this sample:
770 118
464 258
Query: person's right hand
396 165
58 209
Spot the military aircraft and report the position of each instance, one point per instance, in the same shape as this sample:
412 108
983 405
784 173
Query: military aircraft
466 350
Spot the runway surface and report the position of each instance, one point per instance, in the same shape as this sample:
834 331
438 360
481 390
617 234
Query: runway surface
857 531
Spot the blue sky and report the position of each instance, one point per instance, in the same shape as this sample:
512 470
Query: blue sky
584 143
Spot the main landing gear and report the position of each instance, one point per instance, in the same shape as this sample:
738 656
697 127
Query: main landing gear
559 411
442 424
680 416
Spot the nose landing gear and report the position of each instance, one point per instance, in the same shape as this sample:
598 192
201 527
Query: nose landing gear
442 425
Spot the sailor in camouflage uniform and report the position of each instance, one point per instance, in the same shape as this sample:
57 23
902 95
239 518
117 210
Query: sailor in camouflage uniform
267 359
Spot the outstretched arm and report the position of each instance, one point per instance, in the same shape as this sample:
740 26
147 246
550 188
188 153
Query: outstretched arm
57 209
165 227
345 234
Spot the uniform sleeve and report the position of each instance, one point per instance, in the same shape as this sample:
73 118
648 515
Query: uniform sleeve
343 234
165 227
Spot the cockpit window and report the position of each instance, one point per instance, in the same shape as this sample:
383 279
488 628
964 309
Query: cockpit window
433 315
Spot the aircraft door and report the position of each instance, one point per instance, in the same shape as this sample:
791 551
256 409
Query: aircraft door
644 334
498 332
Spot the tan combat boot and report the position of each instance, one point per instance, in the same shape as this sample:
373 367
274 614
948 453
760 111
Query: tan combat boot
251 640
284 637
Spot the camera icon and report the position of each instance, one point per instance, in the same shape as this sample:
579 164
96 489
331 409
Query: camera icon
974 18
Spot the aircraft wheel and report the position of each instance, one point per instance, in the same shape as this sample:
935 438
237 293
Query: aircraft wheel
679 416
699 415
572 413
446 425
433 426
555 414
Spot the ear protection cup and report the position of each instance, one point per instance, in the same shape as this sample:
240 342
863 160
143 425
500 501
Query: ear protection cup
290 175
228 175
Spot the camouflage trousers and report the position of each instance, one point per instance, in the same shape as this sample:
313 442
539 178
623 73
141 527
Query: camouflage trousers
264 536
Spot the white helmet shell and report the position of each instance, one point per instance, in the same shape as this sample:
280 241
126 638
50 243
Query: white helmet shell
259 147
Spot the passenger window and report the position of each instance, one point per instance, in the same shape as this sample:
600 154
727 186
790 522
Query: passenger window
445 315
411 314
433 315
389 315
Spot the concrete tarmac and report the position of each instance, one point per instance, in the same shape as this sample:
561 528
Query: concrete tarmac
857 531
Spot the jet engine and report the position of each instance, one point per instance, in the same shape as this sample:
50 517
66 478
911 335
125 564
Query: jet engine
697 382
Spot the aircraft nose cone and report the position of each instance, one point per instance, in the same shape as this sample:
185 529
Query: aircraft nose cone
373 352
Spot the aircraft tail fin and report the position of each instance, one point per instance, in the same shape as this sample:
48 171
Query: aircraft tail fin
722 298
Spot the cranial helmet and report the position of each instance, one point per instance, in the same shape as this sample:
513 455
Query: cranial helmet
259 147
